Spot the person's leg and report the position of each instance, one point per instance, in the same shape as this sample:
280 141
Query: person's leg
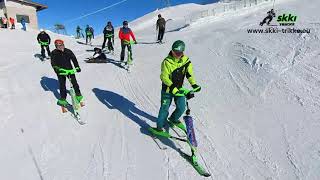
43 55
180 108
269 19
62 86
75 84
86 39
104 42
161 33
264 21
166 99
110 48
123 46
48 50
130 50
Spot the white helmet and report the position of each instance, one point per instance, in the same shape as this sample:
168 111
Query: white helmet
41 30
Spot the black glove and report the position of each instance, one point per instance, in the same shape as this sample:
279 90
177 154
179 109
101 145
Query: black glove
78 69
189 95
196 88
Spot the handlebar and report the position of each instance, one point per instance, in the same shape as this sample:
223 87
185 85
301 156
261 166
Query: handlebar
66 72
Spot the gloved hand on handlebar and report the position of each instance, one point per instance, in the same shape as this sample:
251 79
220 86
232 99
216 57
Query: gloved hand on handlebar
196 88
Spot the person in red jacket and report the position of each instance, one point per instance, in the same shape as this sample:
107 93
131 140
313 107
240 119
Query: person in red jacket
12 23
124 35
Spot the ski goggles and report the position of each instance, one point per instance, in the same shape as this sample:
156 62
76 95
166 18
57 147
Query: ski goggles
178 53
59 45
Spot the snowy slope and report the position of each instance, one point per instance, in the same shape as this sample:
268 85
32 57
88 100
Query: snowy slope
257 116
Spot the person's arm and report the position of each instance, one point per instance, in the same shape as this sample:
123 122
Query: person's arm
191 78
53 62
104 31
157 24
132 35
120 34
38 38
74 60
49 39
190 75
112 35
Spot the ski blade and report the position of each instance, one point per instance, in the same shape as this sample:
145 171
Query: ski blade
196 165
164 134
178 132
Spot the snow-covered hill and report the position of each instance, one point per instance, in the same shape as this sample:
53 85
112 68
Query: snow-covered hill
257 116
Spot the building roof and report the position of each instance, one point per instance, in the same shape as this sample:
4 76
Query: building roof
38 6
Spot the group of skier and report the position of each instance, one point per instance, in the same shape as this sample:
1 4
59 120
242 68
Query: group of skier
175 67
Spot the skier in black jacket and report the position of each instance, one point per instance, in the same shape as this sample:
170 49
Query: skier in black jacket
61 59
44 41
108 32
161 27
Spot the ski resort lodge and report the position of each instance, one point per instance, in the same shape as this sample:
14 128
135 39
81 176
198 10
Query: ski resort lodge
19 9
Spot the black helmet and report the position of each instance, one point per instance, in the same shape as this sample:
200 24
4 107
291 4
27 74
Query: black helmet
125 23
159 15
109 23
97 49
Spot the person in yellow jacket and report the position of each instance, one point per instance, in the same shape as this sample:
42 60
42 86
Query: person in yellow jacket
174 68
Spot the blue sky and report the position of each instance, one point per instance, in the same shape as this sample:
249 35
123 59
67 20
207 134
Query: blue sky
65 11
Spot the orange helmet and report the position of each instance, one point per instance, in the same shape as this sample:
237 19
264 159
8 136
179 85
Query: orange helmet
58 41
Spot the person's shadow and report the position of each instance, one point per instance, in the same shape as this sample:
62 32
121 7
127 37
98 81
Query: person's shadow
116 63
125 106
50 84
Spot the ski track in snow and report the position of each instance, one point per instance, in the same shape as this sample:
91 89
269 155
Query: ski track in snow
291 156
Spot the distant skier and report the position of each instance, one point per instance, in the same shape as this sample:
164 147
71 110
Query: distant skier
271 15
92 31
89 34
61 59
98 56
23 23
174 68
12 22
124 35
108 32
4 22
79 32
44 40
160 27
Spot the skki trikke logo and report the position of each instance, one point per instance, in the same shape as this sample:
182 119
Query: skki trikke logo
286 19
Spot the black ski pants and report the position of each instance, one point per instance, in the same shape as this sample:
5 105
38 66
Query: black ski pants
62 84
161 34
109 44
43 52
123 48
88 38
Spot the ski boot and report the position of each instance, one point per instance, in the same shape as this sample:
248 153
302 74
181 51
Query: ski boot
80 100
158 132
63 103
